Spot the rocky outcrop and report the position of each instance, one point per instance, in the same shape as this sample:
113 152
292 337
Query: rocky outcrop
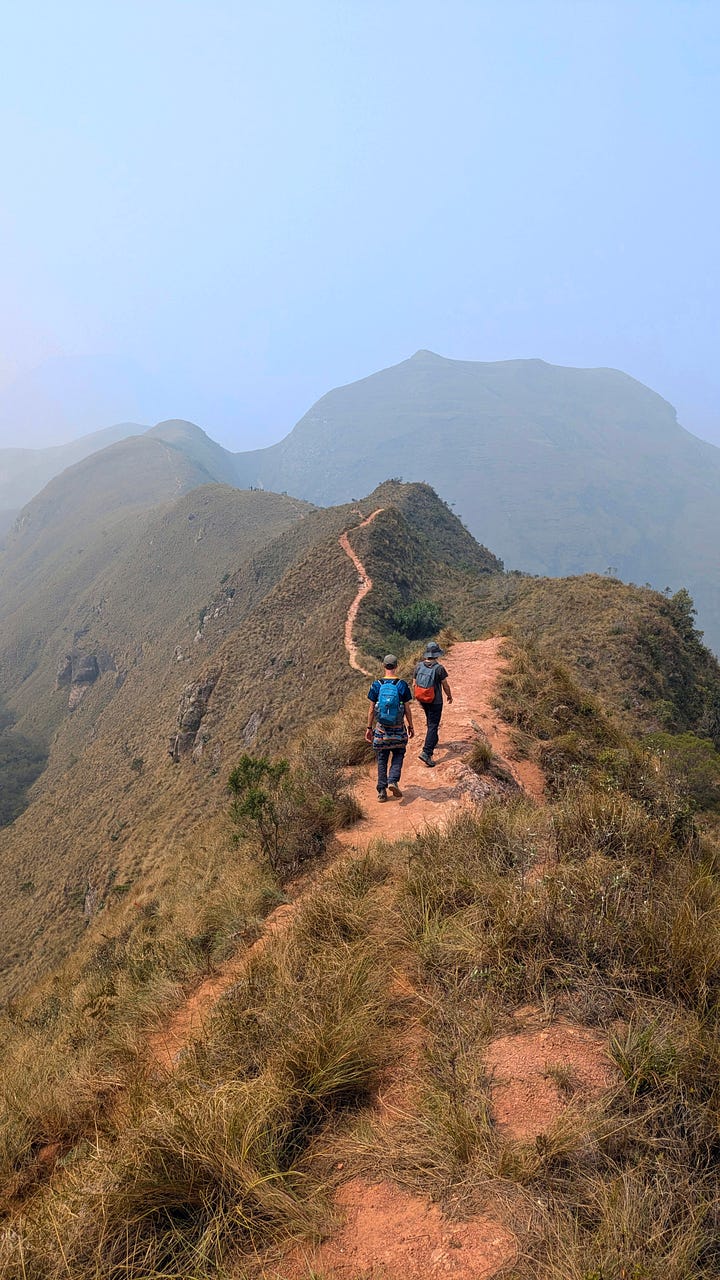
76 672
191 709
250 729
63 677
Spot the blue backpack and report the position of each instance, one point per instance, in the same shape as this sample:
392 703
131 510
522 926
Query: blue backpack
388 707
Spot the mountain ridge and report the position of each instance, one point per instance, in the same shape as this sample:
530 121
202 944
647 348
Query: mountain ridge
561 470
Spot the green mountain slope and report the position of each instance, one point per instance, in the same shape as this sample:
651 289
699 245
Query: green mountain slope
559 470
70 533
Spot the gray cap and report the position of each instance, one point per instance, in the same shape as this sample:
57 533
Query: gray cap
390 660
433 650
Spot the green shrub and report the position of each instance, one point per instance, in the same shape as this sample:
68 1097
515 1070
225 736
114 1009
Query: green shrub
418 620
291 811
693 762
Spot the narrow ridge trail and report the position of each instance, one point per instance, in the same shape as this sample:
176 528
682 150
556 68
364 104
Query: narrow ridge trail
364 588
431 797
434 796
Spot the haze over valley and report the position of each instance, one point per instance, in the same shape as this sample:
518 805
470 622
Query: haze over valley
561 471
359 636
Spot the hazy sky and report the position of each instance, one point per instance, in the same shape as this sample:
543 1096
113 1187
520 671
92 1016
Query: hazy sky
245 204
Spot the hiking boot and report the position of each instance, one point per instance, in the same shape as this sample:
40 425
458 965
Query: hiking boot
382 794
426 759
393 786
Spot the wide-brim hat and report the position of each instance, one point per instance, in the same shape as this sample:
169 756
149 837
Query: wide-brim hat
433 650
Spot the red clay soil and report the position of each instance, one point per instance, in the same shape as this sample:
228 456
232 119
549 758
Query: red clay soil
389 1234
432 796
536 1072
363 589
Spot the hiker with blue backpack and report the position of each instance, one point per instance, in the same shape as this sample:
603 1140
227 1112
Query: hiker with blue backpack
389 726
431 681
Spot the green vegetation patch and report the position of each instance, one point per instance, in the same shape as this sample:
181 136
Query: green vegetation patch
21 763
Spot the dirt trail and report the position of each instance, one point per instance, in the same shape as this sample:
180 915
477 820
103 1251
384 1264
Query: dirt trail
166 1044
537 1069
430 797
363 589
433 796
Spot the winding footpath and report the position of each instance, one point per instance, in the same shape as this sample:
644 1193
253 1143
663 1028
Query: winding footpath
431 797
364 588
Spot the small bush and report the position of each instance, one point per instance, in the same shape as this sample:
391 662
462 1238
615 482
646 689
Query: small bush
693 762
292 812
480 756
419 620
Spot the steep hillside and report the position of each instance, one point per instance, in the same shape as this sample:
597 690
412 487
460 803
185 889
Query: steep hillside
559 470
87 586
63 540
635 648
205 637
7 520
488 1048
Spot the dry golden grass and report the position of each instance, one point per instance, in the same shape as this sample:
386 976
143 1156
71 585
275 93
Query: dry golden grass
602 906
213 1162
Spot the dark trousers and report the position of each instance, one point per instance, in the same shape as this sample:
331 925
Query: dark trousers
432 715
383 758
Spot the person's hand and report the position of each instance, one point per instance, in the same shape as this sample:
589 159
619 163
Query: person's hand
368 735
411 731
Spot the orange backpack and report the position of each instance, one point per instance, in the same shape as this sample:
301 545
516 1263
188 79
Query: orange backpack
424 689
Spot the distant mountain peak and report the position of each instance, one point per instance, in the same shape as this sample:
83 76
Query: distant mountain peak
424 355
172 427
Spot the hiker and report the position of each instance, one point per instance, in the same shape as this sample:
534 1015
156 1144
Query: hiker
431 681
389 726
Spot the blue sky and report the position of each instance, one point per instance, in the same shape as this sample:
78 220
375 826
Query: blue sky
244 205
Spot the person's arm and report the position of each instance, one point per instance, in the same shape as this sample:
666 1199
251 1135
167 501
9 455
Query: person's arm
446 690
408 713
408 717
370 718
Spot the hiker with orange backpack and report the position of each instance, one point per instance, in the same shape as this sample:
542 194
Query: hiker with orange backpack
430 682
389 726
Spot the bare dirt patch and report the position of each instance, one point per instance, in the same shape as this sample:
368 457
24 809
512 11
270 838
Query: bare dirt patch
389 1234
537 1071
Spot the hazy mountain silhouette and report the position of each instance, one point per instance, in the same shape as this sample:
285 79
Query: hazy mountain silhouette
24 472
559 470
